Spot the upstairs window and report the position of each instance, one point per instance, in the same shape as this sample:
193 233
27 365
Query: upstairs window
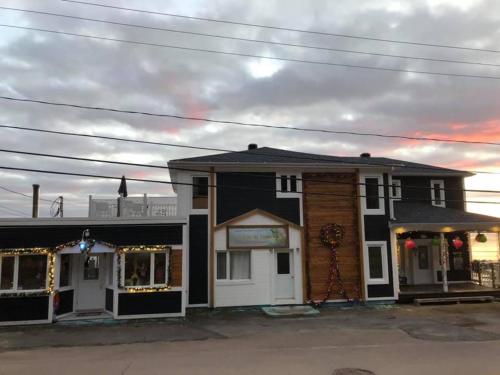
372 193
437 193
287 183
396 189
200 193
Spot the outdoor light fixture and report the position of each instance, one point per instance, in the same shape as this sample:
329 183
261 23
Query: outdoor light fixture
84 244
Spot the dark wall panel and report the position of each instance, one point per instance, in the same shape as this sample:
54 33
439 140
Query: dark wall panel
109 299
65 302
24 308
379 291
149 303
49 236
240 198
198 259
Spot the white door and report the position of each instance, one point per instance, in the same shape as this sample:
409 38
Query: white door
91 278
422 265
283 275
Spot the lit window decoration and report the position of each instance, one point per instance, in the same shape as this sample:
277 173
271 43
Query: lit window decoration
457 243
410 244
149 289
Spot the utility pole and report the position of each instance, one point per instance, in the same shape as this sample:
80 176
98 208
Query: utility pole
36 193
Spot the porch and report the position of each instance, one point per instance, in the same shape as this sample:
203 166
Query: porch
408 293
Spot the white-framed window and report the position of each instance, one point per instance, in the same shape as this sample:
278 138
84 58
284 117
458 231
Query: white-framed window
234 265
437 193
288 184
26 273
376 265
372 191
395 189
199 187
145 269
65 274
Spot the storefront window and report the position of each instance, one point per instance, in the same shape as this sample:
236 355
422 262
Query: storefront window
7 273
32 272
239 265
137 269
160 268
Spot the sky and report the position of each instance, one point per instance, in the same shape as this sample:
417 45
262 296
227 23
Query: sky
102 73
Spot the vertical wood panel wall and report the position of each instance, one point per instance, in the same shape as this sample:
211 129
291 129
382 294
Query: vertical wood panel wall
320 210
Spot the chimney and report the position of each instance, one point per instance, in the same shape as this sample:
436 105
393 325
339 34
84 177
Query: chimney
252 146
365 155
36 193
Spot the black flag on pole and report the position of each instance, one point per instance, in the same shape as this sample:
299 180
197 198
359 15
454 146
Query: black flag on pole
122 190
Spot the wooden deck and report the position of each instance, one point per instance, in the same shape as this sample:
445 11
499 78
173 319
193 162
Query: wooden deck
408 293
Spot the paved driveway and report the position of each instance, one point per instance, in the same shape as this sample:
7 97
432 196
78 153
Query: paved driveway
458 339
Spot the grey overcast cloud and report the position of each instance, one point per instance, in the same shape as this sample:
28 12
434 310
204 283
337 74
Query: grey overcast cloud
91 72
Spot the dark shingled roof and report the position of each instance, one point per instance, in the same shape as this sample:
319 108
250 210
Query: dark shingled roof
421 213
268 155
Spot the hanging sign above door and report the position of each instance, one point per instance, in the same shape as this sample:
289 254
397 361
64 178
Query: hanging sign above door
257 237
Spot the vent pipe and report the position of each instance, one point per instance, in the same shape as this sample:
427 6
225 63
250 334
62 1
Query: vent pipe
36 193
252 146
365 155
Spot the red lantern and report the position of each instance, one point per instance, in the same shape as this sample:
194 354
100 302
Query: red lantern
410 244
458 243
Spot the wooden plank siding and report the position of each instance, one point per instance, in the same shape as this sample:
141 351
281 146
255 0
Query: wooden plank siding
176 268
320 210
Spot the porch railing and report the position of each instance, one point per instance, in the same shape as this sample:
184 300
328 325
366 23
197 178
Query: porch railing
132 207
486 273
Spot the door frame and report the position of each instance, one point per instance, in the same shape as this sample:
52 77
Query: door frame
274 273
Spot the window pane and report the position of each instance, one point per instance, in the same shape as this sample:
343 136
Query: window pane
423 257
396 188
32 272
293 183
240 265
375 262
200 192
284 183
7 281
283 263
372 197
221 265
160 268
65 273
437 193
91 268
137 269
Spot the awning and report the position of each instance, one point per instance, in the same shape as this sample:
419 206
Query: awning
411 216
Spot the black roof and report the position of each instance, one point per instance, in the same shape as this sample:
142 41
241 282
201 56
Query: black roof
268 155
421 213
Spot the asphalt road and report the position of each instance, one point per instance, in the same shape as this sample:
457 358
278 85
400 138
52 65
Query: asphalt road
459 339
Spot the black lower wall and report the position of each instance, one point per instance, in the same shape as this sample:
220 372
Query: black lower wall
109 299
149 303
198 259
17 309
65 302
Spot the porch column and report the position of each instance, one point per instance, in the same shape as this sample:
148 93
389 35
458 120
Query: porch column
444 261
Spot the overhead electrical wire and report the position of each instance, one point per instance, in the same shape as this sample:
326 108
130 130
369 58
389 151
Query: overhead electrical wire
22 194
241 39
245 188
256 175
314 32
13 211
246 124
206 50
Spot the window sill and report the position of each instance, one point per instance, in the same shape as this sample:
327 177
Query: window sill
377 282
234 282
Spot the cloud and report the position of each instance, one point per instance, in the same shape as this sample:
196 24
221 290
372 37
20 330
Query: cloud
99 73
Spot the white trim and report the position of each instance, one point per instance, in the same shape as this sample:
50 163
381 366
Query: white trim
149 316
433 193
151 269
288 193
395 263
372 211
184 296
385 265
396 182
15 285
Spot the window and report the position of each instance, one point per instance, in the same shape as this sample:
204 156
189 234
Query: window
91 268
396 189
437 193
145 269
376 265
237 262
423 257
32 272
7 272
283 263
287 185
200 193
65 271
372 191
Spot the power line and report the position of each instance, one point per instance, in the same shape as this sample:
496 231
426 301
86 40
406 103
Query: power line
23 194
246 188
13 211
204 50
315 32
246 124
256 175
293 157
226 37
